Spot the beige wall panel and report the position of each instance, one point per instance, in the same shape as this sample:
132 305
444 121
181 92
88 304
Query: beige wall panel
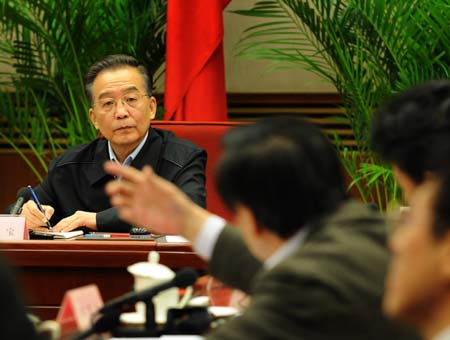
253 76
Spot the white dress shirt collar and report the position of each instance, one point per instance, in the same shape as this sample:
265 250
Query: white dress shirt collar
208 235
287 249
131 156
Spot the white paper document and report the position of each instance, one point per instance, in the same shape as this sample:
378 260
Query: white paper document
58 234
175 239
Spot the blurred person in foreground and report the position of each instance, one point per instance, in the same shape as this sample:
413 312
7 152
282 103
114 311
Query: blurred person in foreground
119 89
408 130
14 323
418 283
412 131
312 260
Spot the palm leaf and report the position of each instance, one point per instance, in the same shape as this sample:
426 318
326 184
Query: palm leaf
51 43
367 49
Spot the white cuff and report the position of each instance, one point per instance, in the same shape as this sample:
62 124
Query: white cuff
206 240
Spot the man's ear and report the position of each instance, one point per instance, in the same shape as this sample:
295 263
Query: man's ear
405 181
93 118
245 218
153 106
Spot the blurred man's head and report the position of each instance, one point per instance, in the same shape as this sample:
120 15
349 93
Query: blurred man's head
119 89
407 130
279 175
418 282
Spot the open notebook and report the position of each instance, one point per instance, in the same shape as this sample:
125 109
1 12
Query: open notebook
56 234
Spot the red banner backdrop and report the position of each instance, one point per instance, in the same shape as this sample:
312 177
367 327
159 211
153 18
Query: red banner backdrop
195 79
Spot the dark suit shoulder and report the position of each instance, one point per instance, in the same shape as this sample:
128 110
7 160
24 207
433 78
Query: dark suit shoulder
83 153
353 212
341 257
344 244
338 273
177 150
353 226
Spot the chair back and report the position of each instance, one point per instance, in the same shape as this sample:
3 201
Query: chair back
206 135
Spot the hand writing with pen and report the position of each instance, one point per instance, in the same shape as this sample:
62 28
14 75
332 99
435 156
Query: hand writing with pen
36 220
38 217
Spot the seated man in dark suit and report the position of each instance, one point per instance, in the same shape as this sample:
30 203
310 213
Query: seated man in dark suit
72 193
313 260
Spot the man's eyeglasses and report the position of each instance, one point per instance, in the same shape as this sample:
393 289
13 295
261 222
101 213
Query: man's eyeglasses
129 100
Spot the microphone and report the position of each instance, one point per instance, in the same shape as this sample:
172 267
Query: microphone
182 279
17 206
22 195
102 324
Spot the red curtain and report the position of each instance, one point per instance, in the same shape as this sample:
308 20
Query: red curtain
195 79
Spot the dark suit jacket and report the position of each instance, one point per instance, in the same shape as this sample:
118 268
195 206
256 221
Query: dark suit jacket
14 324
76 179
330 288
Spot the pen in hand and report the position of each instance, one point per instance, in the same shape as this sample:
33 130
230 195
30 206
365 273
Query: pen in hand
36 200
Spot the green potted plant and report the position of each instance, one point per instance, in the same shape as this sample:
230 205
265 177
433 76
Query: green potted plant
46 46
368 49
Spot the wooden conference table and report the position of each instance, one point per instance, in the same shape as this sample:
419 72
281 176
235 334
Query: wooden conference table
48 268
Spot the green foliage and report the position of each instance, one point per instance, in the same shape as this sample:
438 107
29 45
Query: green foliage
374 180
369 49
49 45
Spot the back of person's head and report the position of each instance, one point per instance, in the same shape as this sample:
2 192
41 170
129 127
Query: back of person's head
407 130
113 62
284 170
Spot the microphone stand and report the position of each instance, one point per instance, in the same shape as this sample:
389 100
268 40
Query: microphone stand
150 329
104 323
150 323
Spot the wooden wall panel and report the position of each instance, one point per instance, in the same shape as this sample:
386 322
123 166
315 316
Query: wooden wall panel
14 173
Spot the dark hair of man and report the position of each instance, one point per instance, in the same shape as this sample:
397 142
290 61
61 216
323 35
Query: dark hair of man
283 169
441 204
113 62
441 223
408 127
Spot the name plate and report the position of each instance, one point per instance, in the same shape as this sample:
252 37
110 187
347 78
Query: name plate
77 309
13 228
